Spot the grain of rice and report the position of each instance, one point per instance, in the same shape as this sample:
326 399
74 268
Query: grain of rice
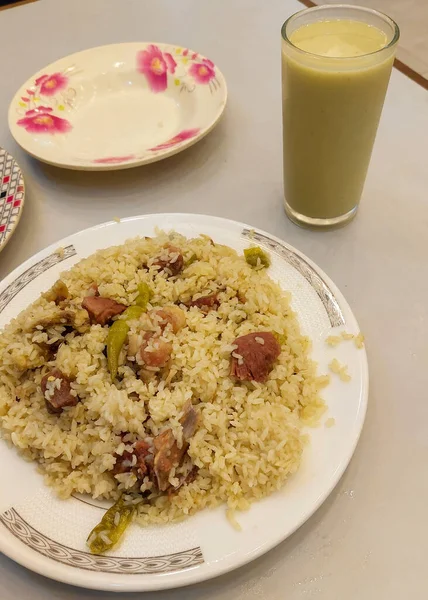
104 538
359 341
232 519
339 369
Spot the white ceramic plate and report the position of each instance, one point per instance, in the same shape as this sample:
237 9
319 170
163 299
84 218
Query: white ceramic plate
48 535
12 196
118 106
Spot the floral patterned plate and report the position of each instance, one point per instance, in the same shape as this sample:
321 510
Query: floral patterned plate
12 193
118 106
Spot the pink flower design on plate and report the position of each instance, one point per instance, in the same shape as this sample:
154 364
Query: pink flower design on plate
40 120
51 84
113 160
156 65
184 135
203 71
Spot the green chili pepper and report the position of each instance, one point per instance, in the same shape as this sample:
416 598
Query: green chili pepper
115 339
111 527
132 312
145 294
256 256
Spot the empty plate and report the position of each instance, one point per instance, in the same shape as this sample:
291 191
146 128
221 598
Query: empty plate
118 106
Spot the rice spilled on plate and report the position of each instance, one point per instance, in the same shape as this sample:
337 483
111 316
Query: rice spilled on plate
168 374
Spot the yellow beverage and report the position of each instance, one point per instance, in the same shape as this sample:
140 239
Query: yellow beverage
335 72
341 38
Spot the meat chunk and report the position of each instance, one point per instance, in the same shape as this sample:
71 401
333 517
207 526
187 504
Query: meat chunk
57 392
142 452
154 352
58 292
156 462
205 303
75 318
170 260
170 315
189 420
167 453
50 350
101 310
254 356
125 463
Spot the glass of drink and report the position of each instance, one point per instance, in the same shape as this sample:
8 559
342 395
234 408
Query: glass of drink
336 65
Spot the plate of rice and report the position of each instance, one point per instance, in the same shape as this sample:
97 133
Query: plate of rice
178 394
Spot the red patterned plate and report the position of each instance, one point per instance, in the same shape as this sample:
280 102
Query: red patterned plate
12 194
118 106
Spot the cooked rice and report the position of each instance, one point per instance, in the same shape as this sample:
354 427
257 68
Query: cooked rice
359 341
249 440
342 370
335 340
230 514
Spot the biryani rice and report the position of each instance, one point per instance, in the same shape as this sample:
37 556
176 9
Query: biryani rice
249 439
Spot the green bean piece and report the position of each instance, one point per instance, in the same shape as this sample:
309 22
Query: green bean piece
255 257
115 339
111 527
145 294
132 312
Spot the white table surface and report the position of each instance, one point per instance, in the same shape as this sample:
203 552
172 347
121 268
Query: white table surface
369 540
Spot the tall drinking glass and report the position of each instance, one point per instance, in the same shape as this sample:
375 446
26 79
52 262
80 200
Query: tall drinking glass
336 65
